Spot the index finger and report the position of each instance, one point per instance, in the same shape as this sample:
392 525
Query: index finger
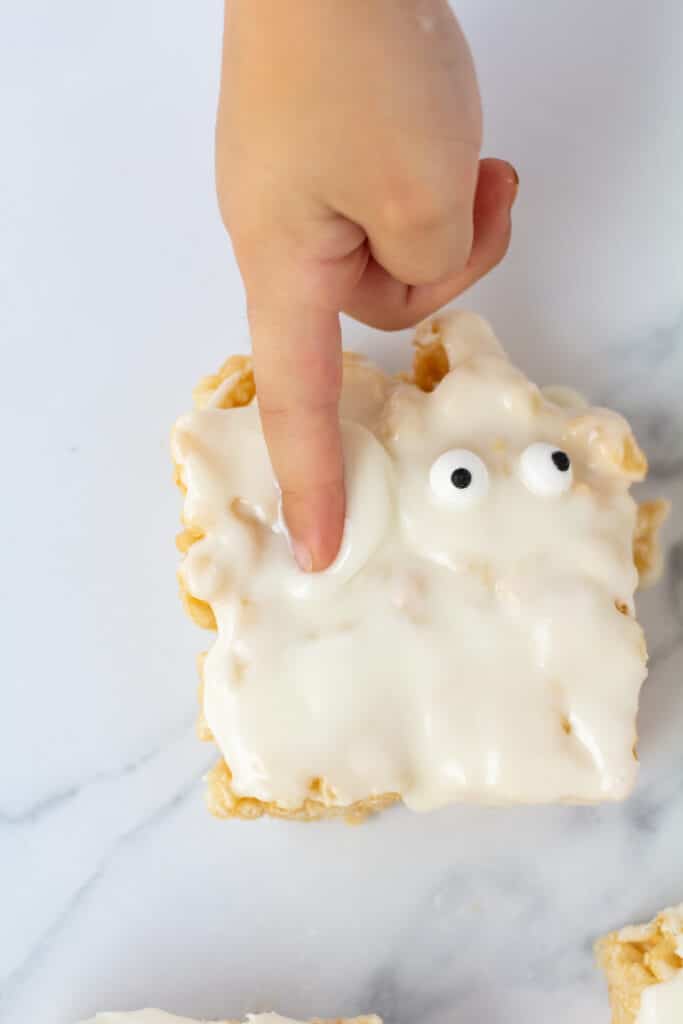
298 372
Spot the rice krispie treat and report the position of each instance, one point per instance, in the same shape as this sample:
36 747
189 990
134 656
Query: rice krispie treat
644 968
159 1017
476 637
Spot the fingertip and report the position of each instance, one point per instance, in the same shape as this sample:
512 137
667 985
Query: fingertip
302 555
315 523
497 185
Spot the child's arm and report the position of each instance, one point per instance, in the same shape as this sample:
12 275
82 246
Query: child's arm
349 179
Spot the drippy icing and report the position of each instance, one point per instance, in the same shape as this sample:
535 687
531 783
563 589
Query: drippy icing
452 651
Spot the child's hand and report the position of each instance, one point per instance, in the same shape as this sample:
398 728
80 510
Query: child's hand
349 179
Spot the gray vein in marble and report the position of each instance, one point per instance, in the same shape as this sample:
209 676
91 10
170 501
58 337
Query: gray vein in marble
429 979
400 1004
13 980
54 801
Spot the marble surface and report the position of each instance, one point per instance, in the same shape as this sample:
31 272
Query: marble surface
118 291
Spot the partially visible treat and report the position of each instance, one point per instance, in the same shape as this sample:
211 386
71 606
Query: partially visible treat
476 637
159 1017
644 968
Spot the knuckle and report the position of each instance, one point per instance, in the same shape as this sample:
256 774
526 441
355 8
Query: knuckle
413 209
289 412
425 233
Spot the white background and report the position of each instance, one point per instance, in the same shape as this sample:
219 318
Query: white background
117 292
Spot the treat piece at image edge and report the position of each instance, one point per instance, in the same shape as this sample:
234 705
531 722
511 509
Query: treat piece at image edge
643 965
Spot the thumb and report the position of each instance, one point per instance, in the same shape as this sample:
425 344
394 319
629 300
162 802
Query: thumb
427 234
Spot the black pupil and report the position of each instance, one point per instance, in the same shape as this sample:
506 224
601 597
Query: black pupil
461 478
561 460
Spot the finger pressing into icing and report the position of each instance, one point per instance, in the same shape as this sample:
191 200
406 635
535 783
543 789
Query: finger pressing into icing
298 367
381 301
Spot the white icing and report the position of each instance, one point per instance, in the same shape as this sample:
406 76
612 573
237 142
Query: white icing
663 1003
453 651
369 507
269 1018
540 473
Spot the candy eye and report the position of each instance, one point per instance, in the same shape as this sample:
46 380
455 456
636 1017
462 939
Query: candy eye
545 470
459 477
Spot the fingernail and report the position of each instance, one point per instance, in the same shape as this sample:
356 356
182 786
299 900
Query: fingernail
515 178
302 555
